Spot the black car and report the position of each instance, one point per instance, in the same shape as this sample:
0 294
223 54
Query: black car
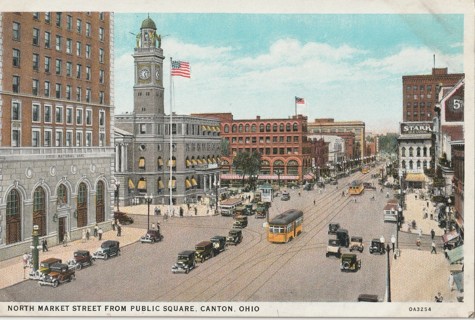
109 248
234 237
343 237
122 218
151 236
185 262
376 246
333 227
219 243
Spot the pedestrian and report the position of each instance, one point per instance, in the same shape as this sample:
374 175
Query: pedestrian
415 196
299 193
427 204
119 230
44 245
113 224
446 252
65 239
433 248
387 194
418 243
314 202
96 229
156 211
432 234
25 260
99 232
83 238
451 282
438 297
420 232
88 234
188 206
343 193
181 212
196 211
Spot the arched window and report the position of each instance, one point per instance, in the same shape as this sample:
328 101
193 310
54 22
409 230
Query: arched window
424 152
265 167
246 128
296 127
281 127
39 210
261 127
62 195
287 127
100 202
160 185
403 164
159 163
278 167
240 128
418 152
234 128
403 151
226 128
411 165
274 127
411 152
292 167
82 205
418 164
253 128
268 127
13 217
424 164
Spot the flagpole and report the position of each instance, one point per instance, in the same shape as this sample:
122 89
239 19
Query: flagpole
170 204
295 103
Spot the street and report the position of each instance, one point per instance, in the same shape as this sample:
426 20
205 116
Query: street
254 270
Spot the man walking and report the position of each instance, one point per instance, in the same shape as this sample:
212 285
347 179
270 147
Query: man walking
99 233
432 234
433 248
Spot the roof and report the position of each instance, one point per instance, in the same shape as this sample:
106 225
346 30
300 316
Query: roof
391 206
286 217
148 24
186 253
455 254
415 177
121 132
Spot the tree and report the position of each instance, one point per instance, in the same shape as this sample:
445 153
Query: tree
248 164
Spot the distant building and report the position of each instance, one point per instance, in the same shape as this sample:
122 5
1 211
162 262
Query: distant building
56 115
420 93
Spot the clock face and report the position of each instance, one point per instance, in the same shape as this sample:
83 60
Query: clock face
144 73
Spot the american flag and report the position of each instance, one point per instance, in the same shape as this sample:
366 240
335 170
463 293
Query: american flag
299 100
181 69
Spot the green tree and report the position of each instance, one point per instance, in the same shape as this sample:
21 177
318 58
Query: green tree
224 147
388 143
248 164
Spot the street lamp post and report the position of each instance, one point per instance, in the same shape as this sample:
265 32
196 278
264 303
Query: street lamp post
278 172
216 185
117 186
148 199
34 247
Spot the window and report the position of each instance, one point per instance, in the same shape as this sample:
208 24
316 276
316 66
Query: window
59 138
59 39
16 110
69 46
35 87
47 138
79 119
253 128
47 64
15 138
69 115
16 57
101 34
101 76
88 29
102 118
36 61
411 152
58 90
36 15
69 68
35 112
58 19
274 127
59 114
16 31
88 95
78 94
69 22
58 66
48 113
101 16
78 48
88 73
69 138
78 138
47 88
36 37
287 127
47 40
16 84
268 127
35 138
102 139
295 127
79 25
88 51
47 17
88 139
68 92
101 97
101 55
78 71
89 117
296 139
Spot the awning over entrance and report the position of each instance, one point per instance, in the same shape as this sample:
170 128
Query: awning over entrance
455 254
415 177
231 176
450 236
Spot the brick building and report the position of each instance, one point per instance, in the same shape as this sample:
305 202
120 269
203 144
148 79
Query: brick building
420 93
56 108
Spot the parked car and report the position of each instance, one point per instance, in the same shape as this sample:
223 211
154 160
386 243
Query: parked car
285 196
240 223
82 258
219 244
333 248
45 265
376 246
151 236
109 248
59 273
356 243
204 251
123 218
349 262
364 297
333 182
234 237
250 210
343 237
261 210
308 187
333 227
185 262
368 186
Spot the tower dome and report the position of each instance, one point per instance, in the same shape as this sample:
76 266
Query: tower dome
148 24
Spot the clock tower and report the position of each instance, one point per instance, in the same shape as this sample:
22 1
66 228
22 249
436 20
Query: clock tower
148 67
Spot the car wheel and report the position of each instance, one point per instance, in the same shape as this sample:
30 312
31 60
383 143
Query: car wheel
106 257
55 284
79 267
187 270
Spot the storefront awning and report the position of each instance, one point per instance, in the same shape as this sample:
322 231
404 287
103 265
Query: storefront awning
450 236
131 184
455 254
193 182
142 163
142 185
160 184
172 163
187 184
415 177
194 161
160 161
172 183
188 163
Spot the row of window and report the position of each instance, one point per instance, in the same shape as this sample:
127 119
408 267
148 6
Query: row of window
58 90
421 104
416 97
267 139
410 164
415 115
421 88
262 128
190 183
419 151
60 117
267 151
181 128
61 138
188 162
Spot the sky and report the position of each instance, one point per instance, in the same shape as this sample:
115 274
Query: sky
345 66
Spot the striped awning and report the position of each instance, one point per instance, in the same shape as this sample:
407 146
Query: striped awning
142 185
160 184
172 183
188 163
233 176
194 162
187 184
142 163
131 184
172 163
415 177
193 182
209 160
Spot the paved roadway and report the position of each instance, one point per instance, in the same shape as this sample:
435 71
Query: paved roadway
254 270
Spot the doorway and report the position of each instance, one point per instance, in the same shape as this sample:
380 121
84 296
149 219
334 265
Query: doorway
62 229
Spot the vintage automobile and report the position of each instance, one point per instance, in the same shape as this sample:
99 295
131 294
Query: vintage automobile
356 243
204 251
376 246
122 218
109 248
369 186
45 265
240 222
239 210
261 210
219 244
343 237
185 262
59 273
333 248
82 258
250 210
349 262
234 237
308 187
333 227
285 196
151 236
333 181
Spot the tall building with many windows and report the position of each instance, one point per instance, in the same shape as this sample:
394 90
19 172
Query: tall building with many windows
56 111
